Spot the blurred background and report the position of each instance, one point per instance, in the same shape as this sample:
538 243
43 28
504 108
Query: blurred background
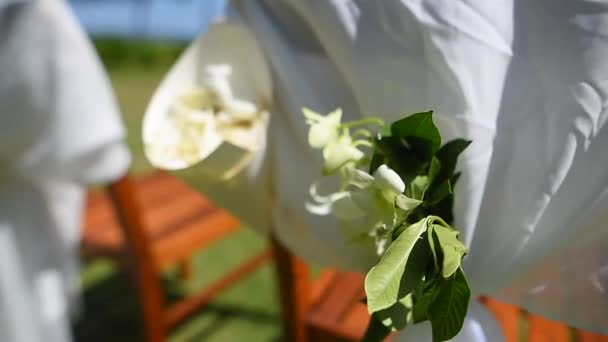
138 41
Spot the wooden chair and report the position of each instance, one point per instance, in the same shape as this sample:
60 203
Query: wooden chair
164 222
330 309
149 223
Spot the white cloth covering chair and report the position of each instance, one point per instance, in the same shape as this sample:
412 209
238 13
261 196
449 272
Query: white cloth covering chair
525 80
60 131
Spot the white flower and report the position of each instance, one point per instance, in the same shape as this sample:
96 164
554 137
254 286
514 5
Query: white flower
323 129
338 147
339 152
217 79
373 205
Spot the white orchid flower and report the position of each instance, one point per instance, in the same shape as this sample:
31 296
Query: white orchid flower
339 152
380 199
323 129
374 204
217 79
338 147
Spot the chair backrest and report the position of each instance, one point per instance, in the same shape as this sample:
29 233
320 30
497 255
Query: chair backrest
147 255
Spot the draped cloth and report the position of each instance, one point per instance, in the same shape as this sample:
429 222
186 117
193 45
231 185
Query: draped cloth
60 130
524 80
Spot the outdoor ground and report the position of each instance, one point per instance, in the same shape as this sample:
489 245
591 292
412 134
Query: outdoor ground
246 312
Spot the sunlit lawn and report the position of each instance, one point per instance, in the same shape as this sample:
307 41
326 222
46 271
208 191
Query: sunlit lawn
246 312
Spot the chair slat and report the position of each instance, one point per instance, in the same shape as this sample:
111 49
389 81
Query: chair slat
322 286
102 234
175 214
193 236
183 309
343 294
356 320
584 336
100 215
543 330
507 315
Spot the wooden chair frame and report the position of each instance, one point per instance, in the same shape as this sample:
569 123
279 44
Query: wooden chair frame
158 319
296 290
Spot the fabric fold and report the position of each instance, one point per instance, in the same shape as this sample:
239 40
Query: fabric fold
61 130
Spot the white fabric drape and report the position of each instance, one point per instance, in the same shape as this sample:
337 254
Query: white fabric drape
525 80
60 130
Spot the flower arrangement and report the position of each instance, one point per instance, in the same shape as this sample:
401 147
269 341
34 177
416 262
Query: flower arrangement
402 204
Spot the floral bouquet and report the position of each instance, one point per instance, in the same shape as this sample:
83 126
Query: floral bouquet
398 196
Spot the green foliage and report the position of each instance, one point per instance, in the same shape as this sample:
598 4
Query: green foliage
398 315
452 249
448 310
420 132
142 54
420 277
390 280
376 331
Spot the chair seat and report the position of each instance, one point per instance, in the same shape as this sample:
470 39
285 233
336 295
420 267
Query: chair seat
338 314
337 311
178 220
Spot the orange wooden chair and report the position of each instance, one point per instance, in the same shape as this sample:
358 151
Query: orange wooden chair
149 223
330 309
164 222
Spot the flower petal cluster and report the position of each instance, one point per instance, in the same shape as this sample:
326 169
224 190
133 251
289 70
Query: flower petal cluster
370 204
327 133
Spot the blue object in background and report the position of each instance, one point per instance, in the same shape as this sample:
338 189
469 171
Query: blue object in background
153 19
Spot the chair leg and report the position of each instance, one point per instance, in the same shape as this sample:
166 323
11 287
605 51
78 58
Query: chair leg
294 290
149 288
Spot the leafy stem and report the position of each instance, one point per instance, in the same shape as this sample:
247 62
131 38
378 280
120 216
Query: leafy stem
363 122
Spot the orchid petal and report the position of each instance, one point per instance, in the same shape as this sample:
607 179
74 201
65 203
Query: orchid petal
312 116
320 209
320 135
323 129
358 178
406 203
346 209
332 197
388 180
339 152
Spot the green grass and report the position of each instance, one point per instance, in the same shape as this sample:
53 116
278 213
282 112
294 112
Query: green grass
246 312
134 88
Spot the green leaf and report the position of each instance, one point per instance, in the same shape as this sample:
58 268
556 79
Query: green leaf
406 203
452 249
376 331
393 152
418 187
449 309
385 131
443 208
434 169
385 283
448 156
434 195
419 130
377 160
435 248
399 315
424 295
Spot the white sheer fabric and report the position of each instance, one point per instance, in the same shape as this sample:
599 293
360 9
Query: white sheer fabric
60 130
525 80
